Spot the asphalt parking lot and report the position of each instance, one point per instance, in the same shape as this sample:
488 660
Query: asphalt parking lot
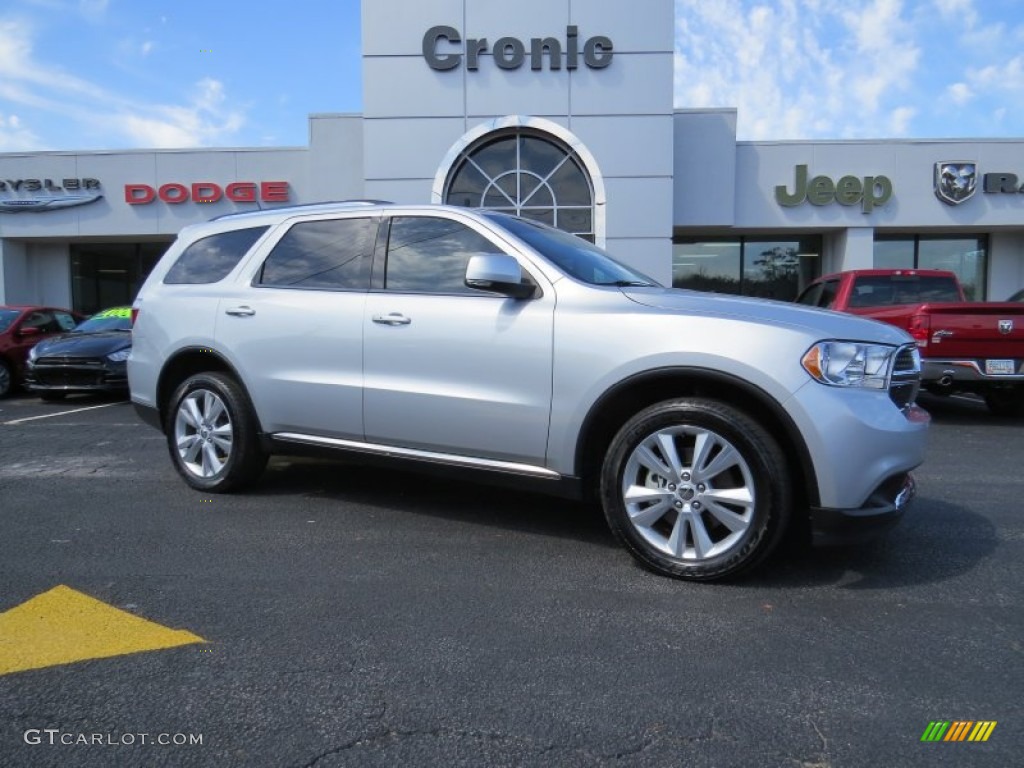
351 616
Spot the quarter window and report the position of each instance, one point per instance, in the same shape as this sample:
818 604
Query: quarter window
210 259
329 254
429 255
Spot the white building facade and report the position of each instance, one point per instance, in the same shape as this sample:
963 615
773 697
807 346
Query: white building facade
559 110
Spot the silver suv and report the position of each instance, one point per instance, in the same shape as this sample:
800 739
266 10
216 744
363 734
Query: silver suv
706 425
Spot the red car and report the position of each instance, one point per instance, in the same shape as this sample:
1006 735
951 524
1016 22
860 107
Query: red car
21 328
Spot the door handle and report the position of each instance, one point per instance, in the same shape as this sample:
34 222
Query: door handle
392 318
242 311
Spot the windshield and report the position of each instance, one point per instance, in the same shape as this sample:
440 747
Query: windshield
7 316
573 255
116 319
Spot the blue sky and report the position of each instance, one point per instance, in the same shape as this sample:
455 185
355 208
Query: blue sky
116 74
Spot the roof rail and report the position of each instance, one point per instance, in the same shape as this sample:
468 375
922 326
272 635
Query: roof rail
304 205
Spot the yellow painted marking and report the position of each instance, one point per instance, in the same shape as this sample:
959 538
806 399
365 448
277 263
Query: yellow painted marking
63 626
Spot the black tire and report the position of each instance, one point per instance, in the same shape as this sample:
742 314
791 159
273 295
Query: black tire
217 470
52 397
6 379
692 497
1005 402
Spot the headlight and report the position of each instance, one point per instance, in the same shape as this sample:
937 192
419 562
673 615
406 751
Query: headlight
849 363
120 356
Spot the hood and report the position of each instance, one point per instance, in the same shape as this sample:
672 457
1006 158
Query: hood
84 344
823 323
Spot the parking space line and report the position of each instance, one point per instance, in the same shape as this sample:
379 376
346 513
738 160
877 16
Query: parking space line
62 413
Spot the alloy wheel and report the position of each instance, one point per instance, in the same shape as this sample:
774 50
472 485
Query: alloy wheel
203 433
689 493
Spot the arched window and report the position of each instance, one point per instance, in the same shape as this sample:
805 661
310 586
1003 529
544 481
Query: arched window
528 173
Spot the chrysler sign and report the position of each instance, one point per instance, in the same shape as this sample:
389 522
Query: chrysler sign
19 202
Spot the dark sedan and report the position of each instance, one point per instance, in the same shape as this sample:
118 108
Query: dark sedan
91 358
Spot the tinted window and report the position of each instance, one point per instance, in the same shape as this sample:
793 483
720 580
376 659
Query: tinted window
7 316
42 319
210 259
810 296
430 255
321 254
828 294
573 255
114 319
881 290
65 321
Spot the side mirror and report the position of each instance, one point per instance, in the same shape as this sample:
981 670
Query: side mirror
497 272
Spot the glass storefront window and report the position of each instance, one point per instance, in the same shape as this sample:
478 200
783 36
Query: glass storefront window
894 254
110 274
707 266
966 256
774 269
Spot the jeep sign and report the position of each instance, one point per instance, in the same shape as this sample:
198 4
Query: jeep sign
871 192
510 52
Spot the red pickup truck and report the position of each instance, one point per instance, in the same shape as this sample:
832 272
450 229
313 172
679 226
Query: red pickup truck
965 346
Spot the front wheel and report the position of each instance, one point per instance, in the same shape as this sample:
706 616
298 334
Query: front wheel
212 434
6 379
695 489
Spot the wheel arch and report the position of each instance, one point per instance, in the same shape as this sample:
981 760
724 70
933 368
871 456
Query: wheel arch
635 393
186 362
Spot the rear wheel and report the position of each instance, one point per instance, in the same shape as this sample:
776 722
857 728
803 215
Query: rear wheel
1005 402
696 489
212 434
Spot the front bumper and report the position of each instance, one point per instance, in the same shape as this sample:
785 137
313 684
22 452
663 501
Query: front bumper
883 509
76 375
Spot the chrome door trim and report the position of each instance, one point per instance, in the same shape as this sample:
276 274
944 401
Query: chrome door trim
412 453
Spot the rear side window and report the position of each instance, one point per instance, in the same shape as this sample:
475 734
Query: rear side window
330 255
210 259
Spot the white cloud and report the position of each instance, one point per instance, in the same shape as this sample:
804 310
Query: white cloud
203 121
1008 77
962 11
93 7
147 48
15 137
205 117
796 68
959 93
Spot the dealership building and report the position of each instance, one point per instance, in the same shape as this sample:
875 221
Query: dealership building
558 110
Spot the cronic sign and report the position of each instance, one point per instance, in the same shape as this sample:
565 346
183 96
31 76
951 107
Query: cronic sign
443 50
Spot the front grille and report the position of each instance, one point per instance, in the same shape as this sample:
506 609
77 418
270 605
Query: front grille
77 362
906 376
69 377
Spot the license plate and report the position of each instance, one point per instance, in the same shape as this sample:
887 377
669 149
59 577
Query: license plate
999 367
